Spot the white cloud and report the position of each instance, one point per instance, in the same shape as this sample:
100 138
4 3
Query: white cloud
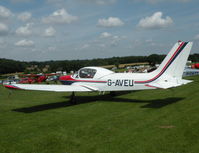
21 1
49 32
56 3
3 29
25 16
3 44
24 30
110 22
105 35
51 48
155 21
60 16
197 37
160 1
115 40
4 12
102 45
24 43
98 2
109 40
85 46
104 2
2 41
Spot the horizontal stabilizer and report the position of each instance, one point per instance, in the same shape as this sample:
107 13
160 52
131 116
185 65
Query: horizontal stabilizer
166 85
186 81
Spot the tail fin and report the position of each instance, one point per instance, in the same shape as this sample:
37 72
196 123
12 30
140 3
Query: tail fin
169 73
174 63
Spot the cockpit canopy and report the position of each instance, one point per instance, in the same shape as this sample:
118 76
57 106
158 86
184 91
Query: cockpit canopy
87 73
92 73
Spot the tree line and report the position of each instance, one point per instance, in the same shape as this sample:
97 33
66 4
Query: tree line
12 66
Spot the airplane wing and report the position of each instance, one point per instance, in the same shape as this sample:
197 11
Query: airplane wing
56 88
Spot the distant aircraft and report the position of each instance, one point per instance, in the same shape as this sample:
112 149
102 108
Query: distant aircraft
195 66
87 79
32 78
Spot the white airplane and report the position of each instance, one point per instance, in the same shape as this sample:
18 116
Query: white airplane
88 79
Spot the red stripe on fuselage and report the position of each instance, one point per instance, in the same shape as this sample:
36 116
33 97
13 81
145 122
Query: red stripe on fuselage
69 78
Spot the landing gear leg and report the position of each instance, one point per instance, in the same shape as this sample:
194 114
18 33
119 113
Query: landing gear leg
112 93
73 99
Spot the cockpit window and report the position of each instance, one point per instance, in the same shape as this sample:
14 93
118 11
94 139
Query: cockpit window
75 75
87 73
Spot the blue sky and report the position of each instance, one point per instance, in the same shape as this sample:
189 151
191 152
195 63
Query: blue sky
85 29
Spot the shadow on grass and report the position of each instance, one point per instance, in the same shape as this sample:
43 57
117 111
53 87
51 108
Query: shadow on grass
156 103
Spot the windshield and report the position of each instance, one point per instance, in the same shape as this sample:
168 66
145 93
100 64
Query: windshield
75 75
87 73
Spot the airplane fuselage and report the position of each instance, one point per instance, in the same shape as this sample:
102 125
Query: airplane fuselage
112 82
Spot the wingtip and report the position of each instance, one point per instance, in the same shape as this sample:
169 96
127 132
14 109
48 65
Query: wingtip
10 86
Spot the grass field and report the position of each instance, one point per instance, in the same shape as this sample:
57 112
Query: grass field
152 121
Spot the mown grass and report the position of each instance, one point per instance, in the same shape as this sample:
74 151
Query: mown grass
152 121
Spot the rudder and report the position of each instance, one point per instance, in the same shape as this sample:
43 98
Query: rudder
174 63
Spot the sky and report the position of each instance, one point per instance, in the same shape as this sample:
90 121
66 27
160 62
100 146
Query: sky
35 30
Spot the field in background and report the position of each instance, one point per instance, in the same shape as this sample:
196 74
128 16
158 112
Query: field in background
152 121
